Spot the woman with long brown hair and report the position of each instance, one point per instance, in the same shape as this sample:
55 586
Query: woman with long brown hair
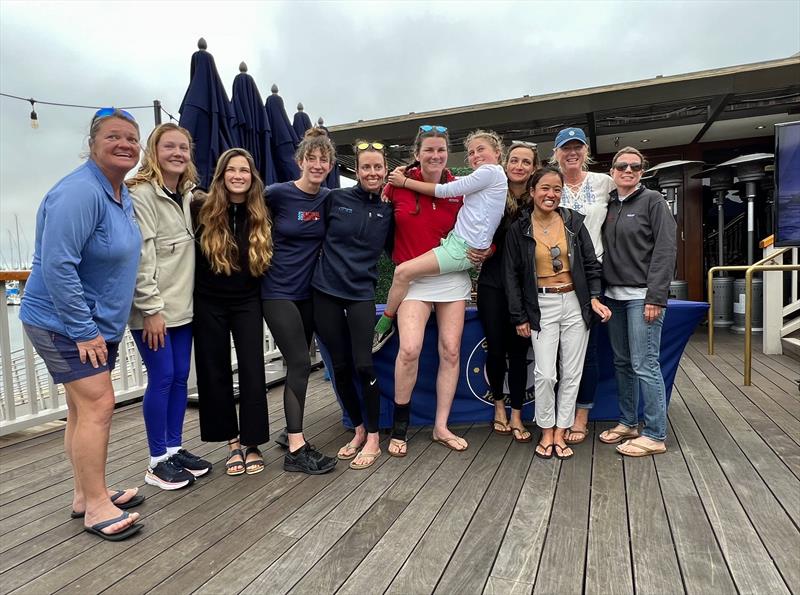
233 249
161 318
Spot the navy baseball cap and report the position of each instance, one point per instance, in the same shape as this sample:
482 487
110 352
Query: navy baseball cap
569 134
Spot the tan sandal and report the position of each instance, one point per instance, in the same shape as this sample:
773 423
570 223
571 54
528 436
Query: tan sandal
449 442
344 452
369 459
642 450
400 448
617 435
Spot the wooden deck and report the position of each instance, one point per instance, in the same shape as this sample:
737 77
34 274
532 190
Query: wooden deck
718 513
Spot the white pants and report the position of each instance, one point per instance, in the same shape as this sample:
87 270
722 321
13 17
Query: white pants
561 322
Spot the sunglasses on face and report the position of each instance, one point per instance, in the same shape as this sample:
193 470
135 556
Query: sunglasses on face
622 166
374 145
555 252
429 128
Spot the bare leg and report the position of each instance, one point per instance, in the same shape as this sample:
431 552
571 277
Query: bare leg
425 265
500 412
411 320
93 401
450 320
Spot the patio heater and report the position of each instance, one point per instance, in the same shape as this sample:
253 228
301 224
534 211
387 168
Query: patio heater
721 183
750 170
670 176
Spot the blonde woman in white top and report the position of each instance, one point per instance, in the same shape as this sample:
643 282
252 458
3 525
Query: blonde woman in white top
588 193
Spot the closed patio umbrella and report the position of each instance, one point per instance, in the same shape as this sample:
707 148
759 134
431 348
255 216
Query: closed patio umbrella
252 125
284 139
206 113
332 181
301 121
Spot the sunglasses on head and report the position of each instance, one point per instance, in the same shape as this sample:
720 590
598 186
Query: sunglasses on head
104 112
622 166
555 252
429 128
374 145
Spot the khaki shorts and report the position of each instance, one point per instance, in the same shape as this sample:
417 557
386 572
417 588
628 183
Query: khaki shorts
452 254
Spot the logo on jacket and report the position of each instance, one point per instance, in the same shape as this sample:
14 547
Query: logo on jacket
346 210
478 381
308 216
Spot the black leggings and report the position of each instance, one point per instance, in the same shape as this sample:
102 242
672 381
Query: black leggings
292 325
346 328
501 341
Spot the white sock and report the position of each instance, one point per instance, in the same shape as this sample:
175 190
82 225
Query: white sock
171 450
156 460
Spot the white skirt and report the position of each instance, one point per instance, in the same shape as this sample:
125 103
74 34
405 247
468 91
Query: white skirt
450 287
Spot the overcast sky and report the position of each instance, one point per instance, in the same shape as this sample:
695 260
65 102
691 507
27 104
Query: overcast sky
344 60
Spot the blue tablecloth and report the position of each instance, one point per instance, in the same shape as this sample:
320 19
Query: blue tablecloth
471 403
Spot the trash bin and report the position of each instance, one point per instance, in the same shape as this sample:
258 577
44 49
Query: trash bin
723 301
739 306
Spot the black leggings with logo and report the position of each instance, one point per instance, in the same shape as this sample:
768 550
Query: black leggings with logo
346 328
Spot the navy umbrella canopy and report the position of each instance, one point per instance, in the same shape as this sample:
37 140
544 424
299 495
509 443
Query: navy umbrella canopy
252 125
206 113
284 139
332 181
301 121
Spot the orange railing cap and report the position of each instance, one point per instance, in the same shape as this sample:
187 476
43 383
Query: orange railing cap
767 242
14 275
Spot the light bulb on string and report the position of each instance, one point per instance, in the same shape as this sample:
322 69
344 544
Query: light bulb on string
34 116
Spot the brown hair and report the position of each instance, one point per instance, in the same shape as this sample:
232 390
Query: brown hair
512 202
315 138
97 122
630 151
370 148
217 241
150 170
417 147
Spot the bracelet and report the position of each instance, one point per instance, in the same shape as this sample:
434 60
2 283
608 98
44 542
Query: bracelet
404 182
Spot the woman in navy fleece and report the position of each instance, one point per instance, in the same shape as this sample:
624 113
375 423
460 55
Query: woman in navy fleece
76 305
299 210
358 224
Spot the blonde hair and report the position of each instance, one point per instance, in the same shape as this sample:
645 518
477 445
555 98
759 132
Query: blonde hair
630 151
492 137
150 170
587 159
315 138
513 202
217 241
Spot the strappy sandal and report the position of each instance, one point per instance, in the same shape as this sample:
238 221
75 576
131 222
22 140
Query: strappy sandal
256 466
231 466
501 427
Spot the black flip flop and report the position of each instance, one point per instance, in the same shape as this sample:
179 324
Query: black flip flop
121 535
547 449
135 501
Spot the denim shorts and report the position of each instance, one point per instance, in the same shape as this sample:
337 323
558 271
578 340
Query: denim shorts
60 355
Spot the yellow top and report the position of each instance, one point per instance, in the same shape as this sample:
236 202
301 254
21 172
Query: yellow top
551 247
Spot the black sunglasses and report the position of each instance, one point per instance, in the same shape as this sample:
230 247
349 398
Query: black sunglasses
555 252
622 166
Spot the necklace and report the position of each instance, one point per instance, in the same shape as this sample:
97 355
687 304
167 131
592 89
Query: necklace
545 229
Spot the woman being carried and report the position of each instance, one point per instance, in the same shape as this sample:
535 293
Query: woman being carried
484 192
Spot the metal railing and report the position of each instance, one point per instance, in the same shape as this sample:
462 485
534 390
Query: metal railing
29 397
757 267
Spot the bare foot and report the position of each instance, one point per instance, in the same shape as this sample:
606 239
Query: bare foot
77 500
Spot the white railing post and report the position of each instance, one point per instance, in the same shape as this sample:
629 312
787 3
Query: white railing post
8 408
773 307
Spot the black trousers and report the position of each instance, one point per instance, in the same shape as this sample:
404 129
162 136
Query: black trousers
503 341
215 320
292 326
346 327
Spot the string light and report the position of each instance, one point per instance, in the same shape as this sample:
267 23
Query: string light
34 117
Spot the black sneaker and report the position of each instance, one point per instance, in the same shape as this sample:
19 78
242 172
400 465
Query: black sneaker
309 460
192 463
380 339
168 475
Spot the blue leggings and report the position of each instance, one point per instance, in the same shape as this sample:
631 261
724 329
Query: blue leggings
165 397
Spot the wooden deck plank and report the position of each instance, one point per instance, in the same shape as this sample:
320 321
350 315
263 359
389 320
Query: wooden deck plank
751 565
697 389
381 565
472 561
565 543
430 557
655 565
608 557
517 561
766 513
701 561
776 386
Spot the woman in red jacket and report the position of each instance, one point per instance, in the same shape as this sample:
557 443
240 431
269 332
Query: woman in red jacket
420 224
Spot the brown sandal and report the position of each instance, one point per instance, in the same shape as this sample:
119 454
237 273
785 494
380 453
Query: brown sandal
501 427
580 433
617 435
521 435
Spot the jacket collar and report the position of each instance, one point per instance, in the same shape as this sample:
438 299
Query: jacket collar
362 194
614 194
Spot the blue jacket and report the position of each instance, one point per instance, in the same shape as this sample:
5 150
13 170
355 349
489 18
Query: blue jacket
358 227
85 260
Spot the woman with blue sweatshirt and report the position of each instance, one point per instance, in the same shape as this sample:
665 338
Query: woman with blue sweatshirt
358 225
77 302
299 211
